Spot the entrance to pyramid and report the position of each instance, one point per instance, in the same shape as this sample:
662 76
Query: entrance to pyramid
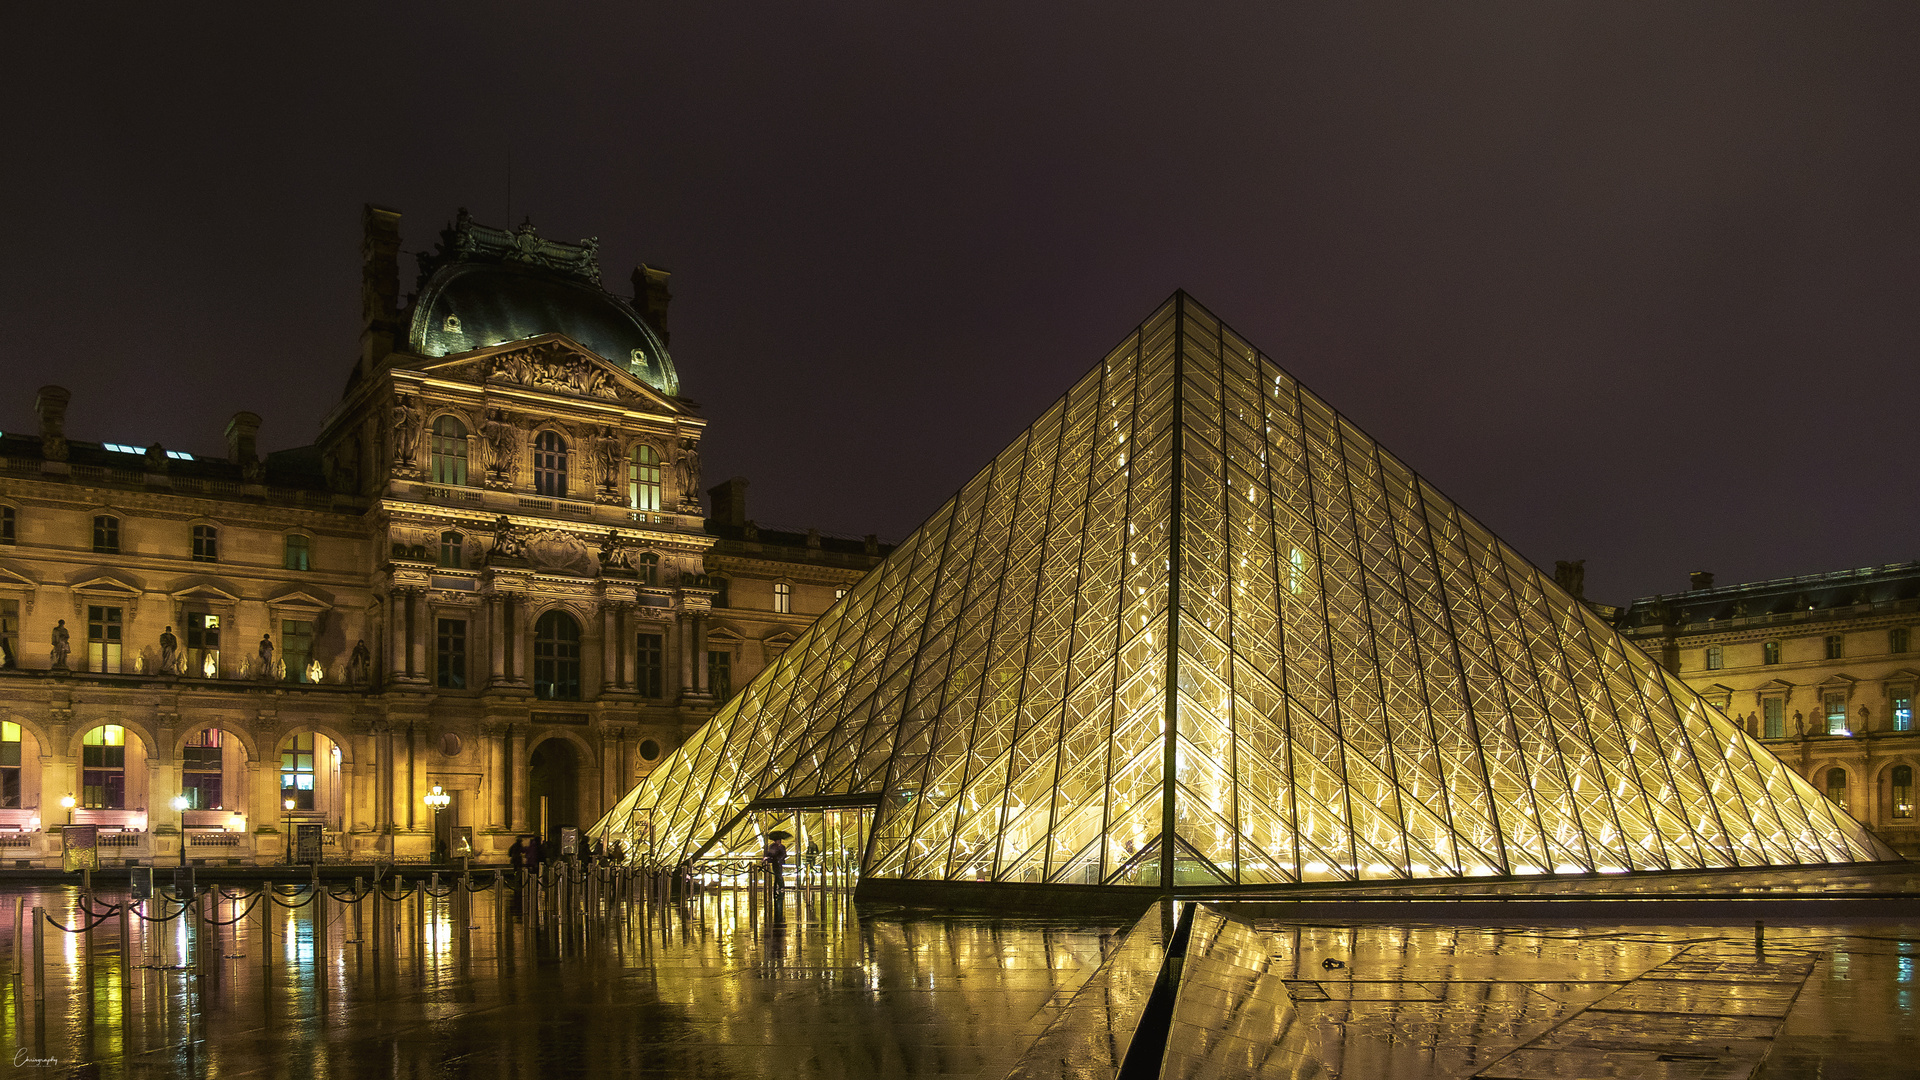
1195 631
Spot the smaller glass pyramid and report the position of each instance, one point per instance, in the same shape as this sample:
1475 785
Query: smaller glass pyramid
1194 628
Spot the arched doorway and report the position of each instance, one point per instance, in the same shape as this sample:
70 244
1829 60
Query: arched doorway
553 791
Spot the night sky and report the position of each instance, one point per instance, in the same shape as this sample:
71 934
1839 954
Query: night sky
1633 282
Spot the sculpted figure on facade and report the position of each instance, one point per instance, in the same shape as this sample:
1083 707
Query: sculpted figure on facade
507 542
686 466
606 460
549 368
169 652
406 431
503 447
360 663
60 646
266 657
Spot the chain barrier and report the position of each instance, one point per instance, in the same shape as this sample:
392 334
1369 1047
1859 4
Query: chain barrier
83 929
251 904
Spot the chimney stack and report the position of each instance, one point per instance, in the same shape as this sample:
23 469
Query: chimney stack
1699 579
379 283
240 433
51 404
729 502
650 297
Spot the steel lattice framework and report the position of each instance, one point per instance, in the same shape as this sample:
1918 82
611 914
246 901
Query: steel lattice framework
1193 627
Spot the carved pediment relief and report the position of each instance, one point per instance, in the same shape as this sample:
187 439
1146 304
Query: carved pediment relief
555 364
296 598
556 552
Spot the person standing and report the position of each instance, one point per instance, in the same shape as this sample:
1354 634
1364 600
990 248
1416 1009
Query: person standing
776 856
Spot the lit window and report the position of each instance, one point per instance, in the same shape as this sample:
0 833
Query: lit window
1836 709
643 478
296 771
7 535
1901 705
9 765
206 543
839 594
1903 791
1837 786
296 648
556 657
449 457
202 773
452 550
103 765
550 465
103 639
299 552
1716 657
1836 647
783 598
1770 653
203 642
9 634
452 670
1296 571
1773 712
1897 639
106 534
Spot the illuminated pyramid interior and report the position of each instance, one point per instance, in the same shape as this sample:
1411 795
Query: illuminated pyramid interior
1194 628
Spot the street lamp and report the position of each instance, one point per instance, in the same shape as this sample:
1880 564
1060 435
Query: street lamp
67 801
180 803
437 799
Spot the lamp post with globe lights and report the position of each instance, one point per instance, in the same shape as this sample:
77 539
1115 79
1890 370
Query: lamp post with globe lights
180 803
438 799
66 801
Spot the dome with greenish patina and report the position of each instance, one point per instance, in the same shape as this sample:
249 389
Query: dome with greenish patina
487 287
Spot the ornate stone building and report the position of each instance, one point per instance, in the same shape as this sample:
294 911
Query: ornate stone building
490 574
1821 668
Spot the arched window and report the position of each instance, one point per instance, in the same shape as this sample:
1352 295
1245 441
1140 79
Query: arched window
449 451
649 567
296 772
550 465
556 657
1903 791
453 550
643 478
103 768
1837 786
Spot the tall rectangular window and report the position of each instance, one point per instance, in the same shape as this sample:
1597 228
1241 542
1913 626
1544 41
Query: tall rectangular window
720 674
643 479
550 465
103 639
1770 653
206 543
1836 710
106 534
448 460
103 768
299 552
296 772
9 634
9 765
201 771
1897 639
296 648
1836 646
452 670
1900 703
453 550
651 653
783 598
7 535
1773 713
203 643
1902 791
1716 657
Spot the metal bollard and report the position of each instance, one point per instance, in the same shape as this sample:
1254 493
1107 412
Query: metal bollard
39 955
19 942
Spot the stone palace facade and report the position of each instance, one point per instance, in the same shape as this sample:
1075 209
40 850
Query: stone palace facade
490 574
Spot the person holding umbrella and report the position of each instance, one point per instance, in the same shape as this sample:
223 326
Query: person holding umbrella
776 856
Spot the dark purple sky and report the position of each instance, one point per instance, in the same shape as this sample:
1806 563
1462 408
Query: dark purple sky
1634 282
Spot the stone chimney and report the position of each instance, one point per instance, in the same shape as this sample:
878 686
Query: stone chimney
51 404
379 284
240 434
729 502
1699 579
650 298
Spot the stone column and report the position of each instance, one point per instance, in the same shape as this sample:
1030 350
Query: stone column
264 799
700 654
683 644
630 658
496 638
610 647
418 626
517 778
396 635
511 642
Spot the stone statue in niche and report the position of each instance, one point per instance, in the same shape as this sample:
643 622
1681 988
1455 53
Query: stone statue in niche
1866 722
507 542
406 431
360 663
606 459
169 652
61 647
1799 724
687 470
503 446
266 657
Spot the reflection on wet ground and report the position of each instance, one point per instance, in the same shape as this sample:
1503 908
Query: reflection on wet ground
713 988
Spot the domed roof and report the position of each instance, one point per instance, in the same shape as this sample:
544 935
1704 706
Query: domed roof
488 287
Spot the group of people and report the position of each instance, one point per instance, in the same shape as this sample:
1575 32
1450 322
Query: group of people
530 853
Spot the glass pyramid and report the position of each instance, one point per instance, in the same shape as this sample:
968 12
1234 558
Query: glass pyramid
1194 628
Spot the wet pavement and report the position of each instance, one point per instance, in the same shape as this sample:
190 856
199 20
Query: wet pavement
715 988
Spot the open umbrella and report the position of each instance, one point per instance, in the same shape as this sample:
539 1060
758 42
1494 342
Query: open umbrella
779 834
